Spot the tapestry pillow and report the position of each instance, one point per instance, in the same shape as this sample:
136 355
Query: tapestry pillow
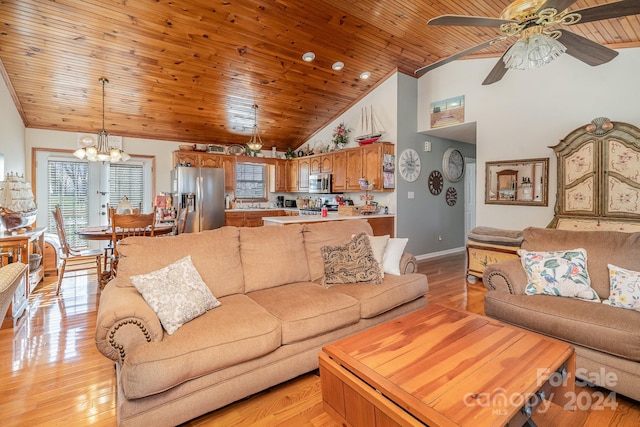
625 288
378 246
176 293
560 273
351 263
392 255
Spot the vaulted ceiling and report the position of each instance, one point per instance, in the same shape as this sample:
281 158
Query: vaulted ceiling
190 70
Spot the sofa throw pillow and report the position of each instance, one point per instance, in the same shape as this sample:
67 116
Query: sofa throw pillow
351 263
624 288
176 293
560 273
378 246
392 255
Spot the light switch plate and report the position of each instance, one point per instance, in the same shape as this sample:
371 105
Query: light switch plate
427 146
410 195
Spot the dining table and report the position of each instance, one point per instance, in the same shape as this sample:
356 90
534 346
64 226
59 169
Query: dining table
104 232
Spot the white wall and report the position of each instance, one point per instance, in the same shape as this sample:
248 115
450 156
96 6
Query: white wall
385 104
527 111
12 144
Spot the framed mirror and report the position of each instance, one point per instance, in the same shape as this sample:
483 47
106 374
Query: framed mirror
517 182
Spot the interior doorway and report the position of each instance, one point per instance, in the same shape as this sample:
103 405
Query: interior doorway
469 196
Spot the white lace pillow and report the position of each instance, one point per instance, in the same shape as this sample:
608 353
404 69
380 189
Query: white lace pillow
624 288
176 293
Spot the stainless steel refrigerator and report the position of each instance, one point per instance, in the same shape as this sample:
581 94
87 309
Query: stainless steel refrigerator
202 189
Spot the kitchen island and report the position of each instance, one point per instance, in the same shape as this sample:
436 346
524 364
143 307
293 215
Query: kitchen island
380 223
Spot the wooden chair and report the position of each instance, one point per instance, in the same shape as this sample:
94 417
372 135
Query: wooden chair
181 224
129 225
70 257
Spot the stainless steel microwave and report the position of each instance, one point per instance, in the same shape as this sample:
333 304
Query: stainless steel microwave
320 183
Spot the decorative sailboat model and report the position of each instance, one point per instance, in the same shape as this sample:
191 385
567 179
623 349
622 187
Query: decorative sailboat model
17 206
369 128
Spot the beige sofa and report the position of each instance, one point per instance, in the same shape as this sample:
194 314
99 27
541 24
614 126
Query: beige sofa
606 338
274 318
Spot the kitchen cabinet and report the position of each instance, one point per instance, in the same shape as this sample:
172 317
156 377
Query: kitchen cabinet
280 175
250 218
292 181
339 171
373 162
228 163
321 164
304 166
354 169
185 158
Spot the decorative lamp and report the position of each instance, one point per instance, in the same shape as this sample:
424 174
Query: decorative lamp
101 151
255 143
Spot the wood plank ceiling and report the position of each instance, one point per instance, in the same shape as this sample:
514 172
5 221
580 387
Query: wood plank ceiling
190 70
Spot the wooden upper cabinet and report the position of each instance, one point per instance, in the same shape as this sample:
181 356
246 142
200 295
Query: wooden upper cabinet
228 163
292 181
321 164
281 175
185 158
373 162
304 166
339 178
209 161
354 169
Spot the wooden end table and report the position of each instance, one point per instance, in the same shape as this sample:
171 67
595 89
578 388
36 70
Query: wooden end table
441 366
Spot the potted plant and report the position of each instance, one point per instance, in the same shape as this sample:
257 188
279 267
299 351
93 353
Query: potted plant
341 135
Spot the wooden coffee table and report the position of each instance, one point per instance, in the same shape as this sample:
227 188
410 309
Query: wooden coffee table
444 367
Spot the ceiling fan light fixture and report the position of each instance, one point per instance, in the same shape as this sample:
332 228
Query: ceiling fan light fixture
533 52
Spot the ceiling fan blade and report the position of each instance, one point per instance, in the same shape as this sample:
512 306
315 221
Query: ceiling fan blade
456 56
468 21
609 10
497 72
558 5
586 50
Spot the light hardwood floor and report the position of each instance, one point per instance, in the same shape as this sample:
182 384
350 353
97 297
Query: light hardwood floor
52 374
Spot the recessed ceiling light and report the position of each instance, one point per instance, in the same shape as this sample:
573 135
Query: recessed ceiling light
309 56
337 66
365 75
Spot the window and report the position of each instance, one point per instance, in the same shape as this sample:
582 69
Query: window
126 179
68 187
251 181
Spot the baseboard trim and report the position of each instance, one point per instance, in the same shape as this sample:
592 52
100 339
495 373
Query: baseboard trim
440 253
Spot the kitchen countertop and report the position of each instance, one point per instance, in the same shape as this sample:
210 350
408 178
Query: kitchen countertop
260 209
332 216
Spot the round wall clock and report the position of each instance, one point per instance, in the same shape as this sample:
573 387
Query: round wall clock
435 182
453 165
451 196
409 164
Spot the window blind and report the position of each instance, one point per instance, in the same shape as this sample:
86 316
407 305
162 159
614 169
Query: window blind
68 187
250 181
126 179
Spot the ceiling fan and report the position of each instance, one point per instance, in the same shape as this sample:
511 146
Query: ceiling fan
538 43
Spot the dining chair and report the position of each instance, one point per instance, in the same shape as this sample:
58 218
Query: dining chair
129 225
77 259
181 224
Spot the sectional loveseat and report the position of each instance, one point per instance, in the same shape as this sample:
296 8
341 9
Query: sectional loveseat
275 316
606 338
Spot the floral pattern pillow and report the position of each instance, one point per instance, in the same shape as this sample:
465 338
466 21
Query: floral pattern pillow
560 273
176 293
352 263
624 288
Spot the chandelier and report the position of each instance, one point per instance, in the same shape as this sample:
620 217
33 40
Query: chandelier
255 143
102 152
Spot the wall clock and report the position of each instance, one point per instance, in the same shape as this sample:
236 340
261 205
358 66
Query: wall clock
409 165
453 165
451 196
435 182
